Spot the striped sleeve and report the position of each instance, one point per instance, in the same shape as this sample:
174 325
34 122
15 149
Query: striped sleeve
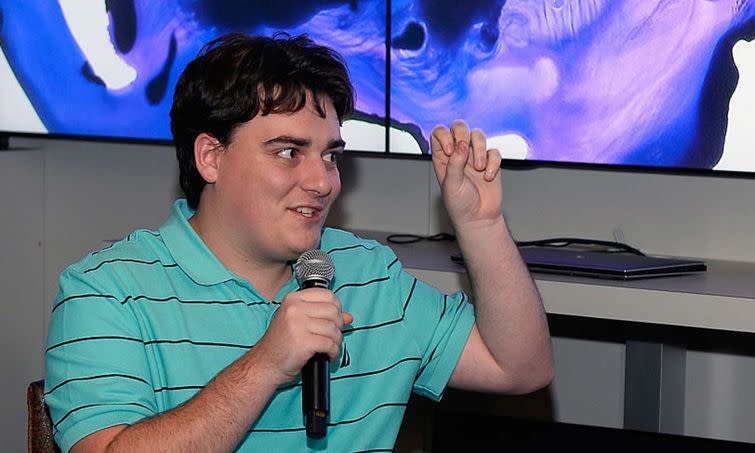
97 372
439 324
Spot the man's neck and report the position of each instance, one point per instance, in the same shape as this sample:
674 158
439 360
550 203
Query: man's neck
266 277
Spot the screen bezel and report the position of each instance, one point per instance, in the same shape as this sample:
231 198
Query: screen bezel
506 164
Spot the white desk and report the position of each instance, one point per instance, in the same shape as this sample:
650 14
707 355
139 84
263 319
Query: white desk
723 298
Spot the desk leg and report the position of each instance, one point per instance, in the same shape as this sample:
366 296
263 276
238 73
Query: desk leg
654 381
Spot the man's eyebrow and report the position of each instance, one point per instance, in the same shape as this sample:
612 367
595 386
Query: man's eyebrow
303 142
336 144
288 139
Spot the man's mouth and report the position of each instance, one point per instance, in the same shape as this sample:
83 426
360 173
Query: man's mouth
308 211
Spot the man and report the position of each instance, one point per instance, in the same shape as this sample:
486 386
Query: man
192 337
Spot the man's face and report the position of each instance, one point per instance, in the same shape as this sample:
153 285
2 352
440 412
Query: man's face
277 180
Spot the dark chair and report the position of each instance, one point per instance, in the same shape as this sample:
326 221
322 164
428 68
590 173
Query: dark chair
39 426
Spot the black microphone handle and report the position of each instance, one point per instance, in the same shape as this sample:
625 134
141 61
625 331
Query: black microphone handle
315 384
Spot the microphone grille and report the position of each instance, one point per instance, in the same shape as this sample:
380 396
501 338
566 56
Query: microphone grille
314 264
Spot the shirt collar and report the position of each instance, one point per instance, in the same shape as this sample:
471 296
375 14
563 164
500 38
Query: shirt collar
189 250
196 259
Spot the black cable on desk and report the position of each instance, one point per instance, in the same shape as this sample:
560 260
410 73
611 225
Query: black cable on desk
611 246
608 246
401 238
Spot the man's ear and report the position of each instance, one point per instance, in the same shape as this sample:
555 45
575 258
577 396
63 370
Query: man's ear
207 151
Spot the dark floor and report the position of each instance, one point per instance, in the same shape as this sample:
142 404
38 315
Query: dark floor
463 432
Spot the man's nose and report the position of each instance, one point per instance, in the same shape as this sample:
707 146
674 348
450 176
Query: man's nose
316 177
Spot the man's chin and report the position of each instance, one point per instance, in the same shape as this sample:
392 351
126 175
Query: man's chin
310 244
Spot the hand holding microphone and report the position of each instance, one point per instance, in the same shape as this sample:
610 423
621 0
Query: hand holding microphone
314 269
306 328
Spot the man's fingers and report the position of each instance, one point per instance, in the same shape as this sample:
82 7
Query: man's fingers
325 337
493 165
440 161
441 140
479 150
325 345
455 169
460 132
325 328
323 304
315 295
317 302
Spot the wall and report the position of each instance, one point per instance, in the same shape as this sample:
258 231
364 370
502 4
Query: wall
22 310
64 198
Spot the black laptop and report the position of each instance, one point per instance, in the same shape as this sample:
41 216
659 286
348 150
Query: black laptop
622 266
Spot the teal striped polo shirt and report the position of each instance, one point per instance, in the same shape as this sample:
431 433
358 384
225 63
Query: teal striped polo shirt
141 326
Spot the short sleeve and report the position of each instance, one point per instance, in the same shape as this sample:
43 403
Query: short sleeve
439 324
97 372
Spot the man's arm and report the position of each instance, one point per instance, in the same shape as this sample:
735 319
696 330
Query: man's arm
218 417
509 348
213 420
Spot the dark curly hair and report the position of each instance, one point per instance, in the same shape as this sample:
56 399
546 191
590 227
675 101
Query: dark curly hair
236 77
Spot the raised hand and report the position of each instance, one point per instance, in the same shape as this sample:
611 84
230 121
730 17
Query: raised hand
468 174
308 321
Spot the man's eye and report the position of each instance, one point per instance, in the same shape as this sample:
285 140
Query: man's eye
287 153
333 157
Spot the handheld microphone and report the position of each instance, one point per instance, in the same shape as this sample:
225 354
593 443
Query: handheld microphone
314 269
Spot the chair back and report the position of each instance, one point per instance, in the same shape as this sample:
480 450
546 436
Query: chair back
39 427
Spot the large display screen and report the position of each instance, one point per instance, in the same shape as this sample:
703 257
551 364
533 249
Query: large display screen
99 68
655 83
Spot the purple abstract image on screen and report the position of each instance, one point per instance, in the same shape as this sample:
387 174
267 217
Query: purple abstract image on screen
595 81
633 82
108 68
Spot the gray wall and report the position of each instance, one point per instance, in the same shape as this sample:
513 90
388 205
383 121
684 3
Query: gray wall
61 199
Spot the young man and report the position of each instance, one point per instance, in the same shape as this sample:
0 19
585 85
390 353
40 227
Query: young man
192 337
